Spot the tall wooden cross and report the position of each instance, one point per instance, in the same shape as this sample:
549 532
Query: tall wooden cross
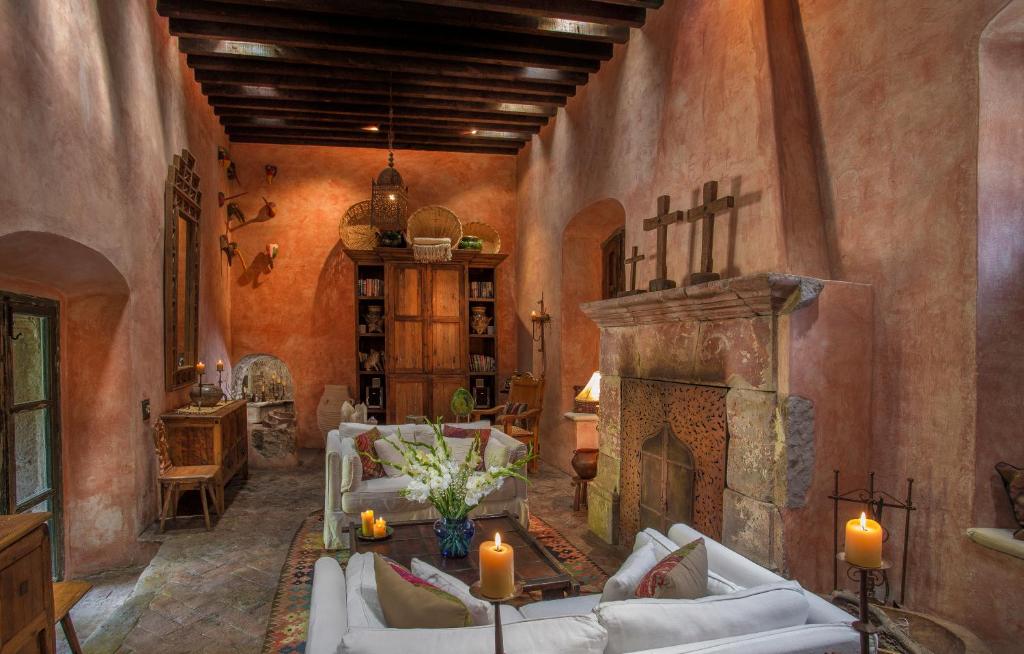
706 212
661 223
631 262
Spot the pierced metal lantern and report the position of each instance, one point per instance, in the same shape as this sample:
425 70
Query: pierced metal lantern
389 199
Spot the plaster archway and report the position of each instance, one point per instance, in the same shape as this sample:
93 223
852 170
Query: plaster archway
98 450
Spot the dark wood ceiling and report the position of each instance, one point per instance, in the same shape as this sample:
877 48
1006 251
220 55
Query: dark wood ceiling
461 75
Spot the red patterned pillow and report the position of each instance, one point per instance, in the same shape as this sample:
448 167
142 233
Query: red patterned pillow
482 434
683 574
364 445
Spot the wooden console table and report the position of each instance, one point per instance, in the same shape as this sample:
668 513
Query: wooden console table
26 591
216 438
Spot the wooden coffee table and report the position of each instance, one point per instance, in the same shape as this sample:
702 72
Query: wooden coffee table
536 569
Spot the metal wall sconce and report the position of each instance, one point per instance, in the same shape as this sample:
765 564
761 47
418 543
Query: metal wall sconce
540 320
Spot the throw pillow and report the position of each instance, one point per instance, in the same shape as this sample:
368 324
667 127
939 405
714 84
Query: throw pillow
388 452
483 435
479 610
683 574
409 602
1013 482
459 447
622 585
514 409
496 454
364 445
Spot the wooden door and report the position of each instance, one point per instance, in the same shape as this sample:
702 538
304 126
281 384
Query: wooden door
408 395
666 481
441 391
448 345
405 319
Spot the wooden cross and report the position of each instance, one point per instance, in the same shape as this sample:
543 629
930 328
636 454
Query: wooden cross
661 223
631 262
706 212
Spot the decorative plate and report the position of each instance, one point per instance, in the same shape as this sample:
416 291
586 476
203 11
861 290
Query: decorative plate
435 222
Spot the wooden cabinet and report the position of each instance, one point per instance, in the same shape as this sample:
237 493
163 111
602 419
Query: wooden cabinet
26 585
217 438
426 340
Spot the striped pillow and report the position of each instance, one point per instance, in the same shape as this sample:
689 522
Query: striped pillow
514 409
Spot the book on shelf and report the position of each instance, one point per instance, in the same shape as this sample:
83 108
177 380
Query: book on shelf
481 290
481 363
370 287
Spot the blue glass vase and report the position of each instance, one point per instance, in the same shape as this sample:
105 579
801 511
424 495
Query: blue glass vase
454 536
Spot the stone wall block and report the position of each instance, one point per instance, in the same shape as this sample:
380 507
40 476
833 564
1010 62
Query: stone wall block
603 513
609 418
736 353
799 448
618 352
754 529
756 458
667 351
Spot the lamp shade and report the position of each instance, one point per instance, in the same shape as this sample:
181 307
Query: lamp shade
587 400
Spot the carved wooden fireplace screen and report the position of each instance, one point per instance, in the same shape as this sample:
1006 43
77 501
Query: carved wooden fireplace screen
666 481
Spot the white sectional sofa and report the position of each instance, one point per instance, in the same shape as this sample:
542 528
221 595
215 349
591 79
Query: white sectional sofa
752 611
347 493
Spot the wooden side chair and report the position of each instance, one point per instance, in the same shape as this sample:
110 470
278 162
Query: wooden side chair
524 426
65 595
172 480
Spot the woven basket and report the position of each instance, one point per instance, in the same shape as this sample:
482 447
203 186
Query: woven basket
486 233
435 222
355 229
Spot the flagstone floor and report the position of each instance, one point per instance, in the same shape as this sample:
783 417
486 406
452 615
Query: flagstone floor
211 592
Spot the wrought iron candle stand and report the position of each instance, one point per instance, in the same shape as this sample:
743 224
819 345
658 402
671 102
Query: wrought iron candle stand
876 502
866 577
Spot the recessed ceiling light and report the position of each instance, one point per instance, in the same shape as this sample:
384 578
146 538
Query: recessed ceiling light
472 132
371 128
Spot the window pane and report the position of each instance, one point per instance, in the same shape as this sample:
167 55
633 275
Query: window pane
31 434
29 355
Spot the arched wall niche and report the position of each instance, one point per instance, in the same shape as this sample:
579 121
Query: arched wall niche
98 451
577 354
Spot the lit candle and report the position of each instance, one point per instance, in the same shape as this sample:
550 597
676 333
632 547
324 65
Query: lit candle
497 568
864 542
380 528
367 517
200 367
220 365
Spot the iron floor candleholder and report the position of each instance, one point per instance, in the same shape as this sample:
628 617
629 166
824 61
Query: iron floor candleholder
865 577
496 602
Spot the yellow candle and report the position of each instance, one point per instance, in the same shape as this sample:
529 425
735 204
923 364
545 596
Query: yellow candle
380 528
864 542
367 517
200 367
497 568
220 365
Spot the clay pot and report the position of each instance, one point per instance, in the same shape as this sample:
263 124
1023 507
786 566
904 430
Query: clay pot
480 320
207 395
328 411
584 462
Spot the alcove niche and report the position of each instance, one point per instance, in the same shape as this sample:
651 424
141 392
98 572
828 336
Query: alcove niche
266 383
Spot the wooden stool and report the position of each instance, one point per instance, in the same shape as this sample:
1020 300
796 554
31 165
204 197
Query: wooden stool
579 496
65 595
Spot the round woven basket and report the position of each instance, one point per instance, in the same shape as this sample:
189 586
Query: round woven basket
435 222
486 233
356 231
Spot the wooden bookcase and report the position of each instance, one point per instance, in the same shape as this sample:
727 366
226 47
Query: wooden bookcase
429 349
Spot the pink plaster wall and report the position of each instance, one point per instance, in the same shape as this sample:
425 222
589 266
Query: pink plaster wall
893 135
302 312
96 102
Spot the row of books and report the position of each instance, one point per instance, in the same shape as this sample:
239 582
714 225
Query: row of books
481 290
481 363
371 287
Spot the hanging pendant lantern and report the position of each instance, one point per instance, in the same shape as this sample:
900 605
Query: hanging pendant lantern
389 197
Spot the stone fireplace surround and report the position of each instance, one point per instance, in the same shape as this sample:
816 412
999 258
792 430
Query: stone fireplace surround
792 356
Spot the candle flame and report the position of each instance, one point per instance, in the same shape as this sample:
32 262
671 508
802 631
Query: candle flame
863 521
497 542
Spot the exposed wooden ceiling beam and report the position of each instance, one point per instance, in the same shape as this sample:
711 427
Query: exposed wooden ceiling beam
231 115
254 51
367 45
347 143
332 108
585 10
242 124
459 17
376 138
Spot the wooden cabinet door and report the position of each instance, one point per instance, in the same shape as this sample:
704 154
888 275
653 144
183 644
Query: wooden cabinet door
448 341
407 396
406 318
441 391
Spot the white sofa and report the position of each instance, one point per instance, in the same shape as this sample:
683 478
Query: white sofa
345 618
346 493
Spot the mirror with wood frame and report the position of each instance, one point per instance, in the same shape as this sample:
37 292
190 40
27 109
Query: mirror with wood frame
182 205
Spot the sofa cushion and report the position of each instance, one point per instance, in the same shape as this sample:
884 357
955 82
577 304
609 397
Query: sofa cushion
483 435
804 639
410 602
683 574
361 593
387 451
365 445
480 611
579 605
641 624
569 635
622 585
382 496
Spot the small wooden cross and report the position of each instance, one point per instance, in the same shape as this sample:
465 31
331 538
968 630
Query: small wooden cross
661 223
706 212
631 262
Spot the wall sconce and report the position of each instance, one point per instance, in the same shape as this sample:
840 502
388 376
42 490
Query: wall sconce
588 400
540 320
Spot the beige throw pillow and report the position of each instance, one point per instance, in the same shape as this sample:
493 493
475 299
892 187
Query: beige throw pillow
409 602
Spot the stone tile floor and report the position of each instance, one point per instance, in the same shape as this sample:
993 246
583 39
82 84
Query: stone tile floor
211 592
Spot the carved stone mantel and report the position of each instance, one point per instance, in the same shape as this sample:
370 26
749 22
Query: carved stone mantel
775 342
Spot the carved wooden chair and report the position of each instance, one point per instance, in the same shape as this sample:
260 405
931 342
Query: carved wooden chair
172 480
525 389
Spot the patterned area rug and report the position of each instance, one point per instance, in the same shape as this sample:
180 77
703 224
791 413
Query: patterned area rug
289 615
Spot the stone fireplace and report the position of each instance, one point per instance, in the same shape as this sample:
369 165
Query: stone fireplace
727 405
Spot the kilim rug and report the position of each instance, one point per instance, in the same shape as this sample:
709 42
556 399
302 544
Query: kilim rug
289 614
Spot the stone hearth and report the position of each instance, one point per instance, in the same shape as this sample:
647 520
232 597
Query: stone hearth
784 364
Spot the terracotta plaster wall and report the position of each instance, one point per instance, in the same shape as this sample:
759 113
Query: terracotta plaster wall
302 311
97 100
893 91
